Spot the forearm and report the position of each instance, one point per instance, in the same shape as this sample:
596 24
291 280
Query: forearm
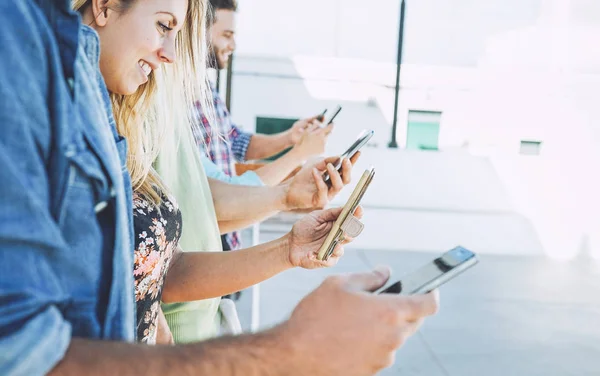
204 275
260 354
263 146
240 224
235 202
273 173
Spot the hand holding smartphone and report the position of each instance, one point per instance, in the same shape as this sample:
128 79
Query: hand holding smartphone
346 222
361 141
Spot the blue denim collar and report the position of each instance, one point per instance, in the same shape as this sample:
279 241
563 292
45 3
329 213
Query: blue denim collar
90 43
62 17
64 5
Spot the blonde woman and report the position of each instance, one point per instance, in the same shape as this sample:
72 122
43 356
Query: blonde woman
142 42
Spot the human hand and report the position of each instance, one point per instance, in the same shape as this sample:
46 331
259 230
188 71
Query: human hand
343 318
309 233
308 189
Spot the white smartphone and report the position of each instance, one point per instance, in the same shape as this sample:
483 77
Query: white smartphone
336 112
431 276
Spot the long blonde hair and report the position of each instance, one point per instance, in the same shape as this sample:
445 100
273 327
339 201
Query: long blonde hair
148 117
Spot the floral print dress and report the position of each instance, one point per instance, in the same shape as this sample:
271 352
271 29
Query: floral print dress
157 235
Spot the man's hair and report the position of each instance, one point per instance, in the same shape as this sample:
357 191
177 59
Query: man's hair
224 4
220 4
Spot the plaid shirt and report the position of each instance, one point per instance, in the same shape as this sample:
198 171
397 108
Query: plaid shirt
224 144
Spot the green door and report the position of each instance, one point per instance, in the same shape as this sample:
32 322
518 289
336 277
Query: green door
266 125
423 130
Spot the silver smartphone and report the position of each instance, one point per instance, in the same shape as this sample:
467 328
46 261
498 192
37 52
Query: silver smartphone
361 141
431 276
336 234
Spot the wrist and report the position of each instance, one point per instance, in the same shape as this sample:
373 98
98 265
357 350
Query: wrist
297 154
270 352
285 251
288 138
284 201
290 347
295 348
287 346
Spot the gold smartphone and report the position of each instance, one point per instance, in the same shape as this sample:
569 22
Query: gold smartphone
346 222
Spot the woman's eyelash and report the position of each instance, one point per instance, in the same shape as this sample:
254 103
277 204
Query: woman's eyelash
164 27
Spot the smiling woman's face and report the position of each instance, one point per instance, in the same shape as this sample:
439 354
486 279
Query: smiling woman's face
135 41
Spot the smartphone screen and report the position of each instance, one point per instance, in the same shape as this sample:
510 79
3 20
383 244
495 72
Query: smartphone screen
436 273
362 139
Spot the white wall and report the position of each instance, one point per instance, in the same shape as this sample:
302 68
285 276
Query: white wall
431 201
500 71
557 191
437 31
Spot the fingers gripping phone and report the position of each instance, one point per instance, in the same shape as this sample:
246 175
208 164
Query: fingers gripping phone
431 276
361 141
346 222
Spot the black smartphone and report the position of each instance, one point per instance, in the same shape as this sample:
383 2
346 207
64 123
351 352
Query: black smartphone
431 276
321 117
335 113
361 141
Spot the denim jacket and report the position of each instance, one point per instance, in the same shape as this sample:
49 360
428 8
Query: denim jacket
65 196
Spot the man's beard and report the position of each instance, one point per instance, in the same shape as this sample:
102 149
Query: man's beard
213 61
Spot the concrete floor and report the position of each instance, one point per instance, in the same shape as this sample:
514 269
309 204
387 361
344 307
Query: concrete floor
510 315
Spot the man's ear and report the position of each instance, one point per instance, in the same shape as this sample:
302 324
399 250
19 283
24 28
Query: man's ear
102 11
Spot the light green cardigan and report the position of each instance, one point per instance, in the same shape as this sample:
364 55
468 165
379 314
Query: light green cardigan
181 170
